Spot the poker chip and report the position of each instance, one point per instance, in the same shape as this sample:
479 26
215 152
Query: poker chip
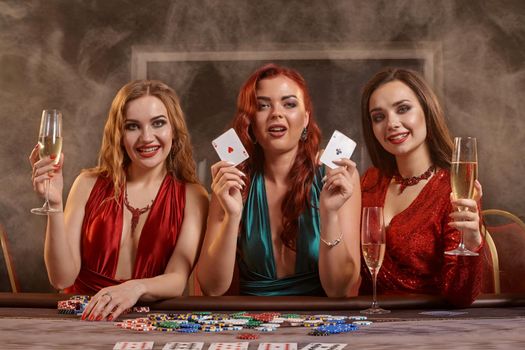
341 328
248 336
362 323
141 309
187 330
318 333
357 318
166 329
264 329
273 325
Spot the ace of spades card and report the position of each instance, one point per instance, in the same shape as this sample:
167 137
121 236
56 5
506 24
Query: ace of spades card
339 146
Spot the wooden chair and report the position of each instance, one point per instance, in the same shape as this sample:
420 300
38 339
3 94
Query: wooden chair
8 261
505 238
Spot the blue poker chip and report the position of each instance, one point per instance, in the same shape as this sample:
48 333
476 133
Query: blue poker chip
336 329
190 325
187 330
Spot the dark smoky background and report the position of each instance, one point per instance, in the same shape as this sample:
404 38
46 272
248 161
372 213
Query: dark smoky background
74 55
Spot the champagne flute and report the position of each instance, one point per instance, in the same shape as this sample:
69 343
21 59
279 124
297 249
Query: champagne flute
49 143
373 245
463 175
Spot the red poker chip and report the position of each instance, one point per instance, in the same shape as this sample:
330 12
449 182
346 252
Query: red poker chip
248 336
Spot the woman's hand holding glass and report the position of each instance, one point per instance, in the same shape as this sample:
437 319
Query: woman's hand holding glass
463 176
467 220
338 185
227 184
50 148
109 303
44 170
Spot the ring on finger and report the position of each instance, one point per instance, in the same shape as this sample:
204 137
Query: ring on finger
109 295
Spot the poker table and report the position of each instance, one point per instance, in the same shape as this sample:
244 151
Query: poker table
31 321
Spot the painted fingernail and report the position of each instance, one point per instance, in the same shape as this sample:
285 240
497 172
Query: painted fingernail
91 318
110 318
53 156
99 317
83 317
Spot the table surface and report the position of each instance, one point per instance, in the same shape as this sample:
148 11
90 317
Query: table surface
30 321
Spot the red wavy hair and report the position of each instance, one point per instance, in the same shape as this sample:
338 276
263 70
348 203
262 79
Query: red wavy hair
302 173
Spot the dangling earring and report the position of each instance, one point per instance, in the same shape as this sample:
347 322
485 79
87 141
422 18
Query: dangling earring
304 135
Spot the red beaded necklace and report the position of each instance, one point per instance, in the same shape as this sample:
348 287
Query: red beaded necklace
414 180
135 212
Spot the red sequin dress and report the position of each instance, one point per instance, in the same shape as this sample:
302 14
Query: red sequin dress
416 240
102 231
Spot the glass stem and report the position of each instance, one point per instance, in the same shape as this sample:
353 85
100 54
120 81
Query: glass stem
374 283
46 187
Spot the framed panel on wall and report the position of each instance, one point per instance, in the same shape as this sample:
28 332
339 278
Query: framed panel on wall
208 82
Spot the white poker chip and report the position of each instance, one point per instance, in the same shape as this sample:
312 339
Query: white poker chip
358 318
295 320
273 325
337 317
278 320
235 321
264 329
362 323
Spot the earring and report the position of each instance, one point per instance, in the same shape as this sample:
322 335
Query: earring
304 135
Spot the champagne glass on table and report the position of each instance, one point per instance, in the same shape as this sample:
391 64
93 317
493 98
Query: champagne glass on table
463 175
373 245
49 143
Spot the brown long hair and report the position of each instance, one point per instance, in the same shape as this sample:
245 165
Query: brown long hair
302 173
438 136
113 159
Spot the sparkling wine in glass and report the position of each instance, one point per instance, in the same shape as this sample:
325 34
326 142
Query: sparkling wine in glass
463 175
373 245
49 143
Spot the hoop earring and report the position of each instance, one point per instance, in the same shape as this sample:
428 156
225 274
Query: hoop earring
304 135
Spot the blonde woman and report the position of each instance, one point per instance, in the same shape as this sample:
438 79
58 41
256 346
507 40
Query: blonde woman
132 225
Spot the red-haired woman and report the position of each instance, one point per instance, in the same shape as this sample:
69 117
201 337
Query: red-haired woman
291 229
132 225
411 149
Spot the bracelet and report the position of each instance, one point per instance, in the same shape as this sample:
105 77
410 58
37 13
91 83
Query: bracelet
334 242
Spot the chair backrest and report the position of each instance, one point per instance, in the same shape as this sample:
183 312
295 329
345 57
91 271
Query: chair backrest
8 261
491 278
507 231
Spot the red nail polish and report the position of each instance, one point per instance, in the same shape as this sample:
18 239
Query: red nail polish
53 156
91 318
110 318
83 317
99 317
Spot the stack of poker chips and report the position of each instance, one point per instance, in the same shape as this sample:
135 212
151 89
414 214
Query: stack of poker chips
74 305
258 322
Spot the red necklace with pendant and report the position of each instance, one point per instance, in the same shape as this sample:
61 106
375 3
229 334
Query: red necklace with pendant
135 212
414 180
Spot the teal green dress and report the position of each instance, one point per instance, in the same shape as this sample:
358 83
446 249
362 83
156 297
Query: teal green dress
255 257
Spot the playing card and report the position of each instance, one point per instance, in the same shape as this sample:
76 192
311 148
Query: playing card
339 146
129 345
229 346
324 346
183 346
277 346
229 147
